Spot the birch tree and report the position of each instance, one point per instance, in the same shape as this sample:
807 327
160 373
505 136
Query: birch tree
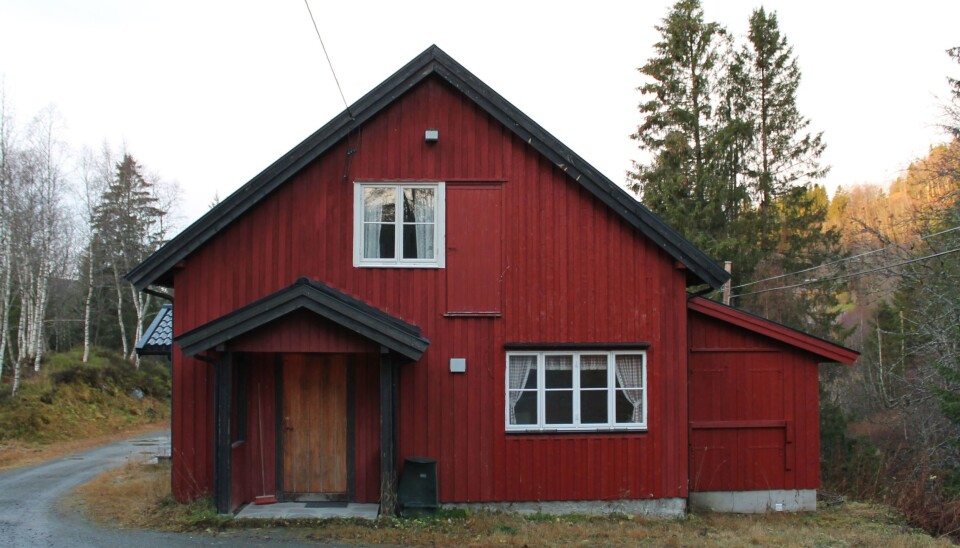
6 246
96 175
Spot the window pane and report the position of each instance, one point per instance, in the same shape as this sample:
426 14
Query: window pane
629 370
629 411
379 204
418 205
378 241
593 407
523 372
593 372
559 407
559 371
525 408
418 241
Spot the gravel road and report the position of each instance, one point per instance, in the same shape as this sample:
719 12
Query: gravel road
31 517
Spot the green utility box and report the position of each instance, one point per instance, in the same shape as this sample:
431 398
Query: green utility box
417 494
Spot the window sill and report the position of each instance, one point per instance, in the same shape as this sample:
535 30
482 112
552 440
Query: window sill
399 265
582 431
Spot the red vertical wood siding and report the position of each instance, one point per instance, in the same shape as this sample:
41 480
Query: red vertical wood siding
738 375
303 331
473 249
251 477
572 271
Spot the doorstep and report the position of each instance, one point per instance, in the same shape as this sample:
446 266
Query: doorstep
307 510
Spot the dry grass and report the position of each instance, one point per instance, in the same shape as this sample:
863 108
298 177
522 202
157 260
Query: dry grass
138 496
16 453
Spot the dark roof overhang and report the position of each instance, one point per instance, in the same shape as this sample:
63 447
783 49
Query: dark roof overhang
157 340
815 345
367 321
157 268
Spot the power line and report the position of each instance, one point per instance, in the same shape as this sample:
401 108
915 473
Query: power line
845 276
335 79
871 252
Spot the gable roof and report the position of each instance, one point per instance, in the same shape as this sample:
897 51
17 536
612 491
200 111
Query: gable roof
357 316
751 322
156 269
157 340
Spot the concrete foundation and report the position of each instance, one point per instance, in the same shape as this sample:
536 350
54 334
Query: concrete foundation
662 508
755 502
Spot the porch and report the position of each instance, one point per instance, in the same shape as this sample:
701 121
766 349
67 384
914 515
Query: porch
305 401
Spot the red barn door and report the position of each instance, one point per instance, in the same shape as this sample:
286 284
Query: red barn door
739 435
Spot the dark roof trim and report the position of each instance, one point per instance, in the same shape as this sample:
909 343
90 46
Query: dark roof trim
751 322
157 340
156 268
321 299
606 346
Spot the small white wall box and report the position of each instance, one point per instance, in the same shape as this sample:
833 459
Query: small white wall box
458 365
432 135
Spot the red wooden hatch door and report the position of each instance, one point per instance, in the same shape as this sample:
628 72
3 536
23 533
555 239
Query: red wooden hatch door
314 427
739 436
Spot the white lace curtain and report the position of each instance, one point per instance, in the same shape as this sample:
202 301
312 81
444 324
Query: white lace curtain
630 375
373 215
423 208
519 371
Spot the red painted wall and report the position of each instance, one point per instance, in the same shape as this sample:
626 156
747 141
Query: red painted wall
567 269
768 392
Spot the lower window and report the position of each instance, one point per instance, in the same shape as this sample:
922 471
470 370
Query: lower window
591 390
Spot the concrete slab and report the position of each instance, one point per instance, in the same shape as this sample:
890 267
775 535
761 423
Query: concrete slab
756 502
302 510
660 508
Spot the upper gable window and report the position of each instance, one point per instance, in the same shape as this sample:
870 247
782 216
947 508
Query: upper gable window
399 225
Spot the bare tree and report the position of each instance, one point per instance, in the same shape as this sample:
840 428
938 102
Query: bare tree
6 246
95 177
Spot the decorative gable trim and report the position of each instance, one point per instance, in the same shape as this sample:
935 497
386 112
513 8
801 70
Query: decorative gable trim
361 318
157 268
762 326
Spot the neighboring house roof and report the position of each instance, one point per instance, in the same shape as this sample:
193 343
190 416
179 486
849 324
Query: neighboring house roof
336 306
815 345
157 340
156 269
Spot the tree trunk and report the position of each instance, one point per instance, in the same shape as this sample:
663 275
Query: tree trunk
140 304
123 329
88 305
6 301
40 312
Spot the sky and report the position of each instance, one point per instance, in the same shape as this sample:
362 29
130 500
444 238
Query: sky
209 93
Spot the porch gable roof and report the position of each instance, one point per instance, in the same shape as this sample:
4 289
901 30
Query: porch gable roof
367 321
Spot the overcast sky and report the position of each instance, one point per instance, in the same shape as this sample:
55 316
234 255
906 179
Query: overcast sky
209 93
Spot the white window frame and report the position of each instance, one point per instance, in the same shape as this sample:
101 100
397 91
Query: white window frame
576 426
439 235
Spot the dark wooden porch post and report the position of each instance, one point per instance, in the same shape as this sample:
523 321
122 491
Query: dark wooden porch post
388 434
223 375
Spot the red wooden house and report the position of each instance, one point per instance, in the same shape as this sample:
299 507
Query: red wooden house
433 274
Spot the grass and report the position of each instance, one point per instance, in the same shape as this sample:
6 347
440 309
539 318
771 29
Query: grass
138 496
71 405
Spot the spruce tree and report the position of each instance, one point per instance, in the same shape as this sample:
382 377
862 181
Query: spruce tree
679 183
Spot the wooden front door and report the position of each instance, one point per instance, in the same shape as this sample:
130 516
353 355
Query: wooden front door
314 424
